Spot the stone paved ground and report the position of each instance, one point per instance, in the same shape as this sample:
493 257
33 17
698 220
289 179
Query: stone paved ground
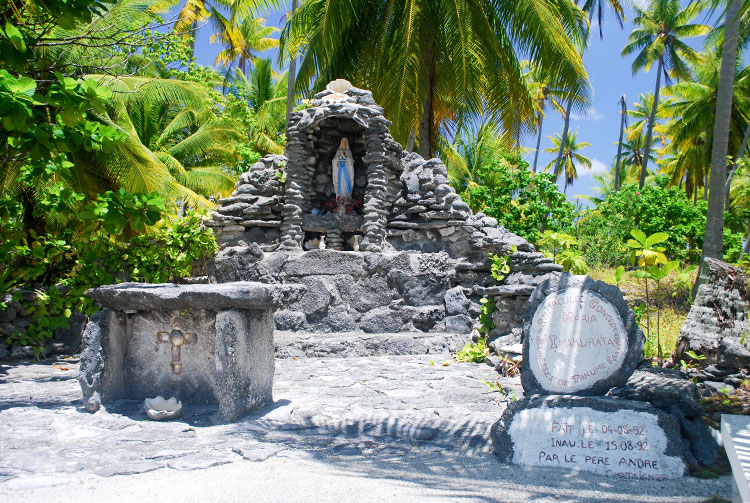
383 428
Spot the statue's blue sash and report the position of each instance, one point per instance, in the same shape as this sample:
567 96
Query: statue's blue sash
343 172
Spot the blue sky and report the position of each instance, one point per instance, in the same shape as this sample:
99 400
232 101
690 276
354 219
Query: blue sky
610 75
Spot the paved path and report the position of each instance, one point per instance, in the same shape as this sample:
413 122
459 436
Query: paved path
384 428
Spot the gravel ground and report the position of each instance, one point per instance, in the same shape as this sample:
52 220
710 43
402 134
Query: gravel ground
385 428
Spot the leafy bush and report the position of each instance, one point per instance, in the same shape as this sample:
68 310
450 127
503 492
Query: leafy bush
125 239
521 201
655 208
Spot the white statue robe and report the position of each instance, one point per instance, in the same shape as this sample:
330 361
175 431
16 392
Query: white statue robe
343 172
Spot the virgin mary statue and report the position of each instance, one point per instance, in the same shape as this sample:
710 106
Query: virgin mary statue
343 174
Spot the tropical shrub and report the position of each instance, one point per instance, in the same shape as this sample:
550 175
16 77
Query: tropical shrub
521 201
654 208
125 237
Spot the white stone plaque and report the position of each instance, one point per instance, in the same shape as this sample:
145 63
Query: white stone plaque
577 339
619 444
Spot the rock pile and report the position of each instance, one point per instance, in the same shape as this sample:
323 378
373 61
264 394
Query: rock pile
422 261
253 212
717 326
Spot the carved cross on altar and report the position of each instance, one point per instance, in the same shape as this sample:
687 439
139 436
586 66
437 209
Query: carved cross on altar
177 338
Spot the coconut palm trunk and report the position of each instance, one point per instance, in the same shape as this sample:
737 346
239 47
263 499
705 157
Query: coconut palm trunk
651 120
733 169
619 144
561 151
427 120
540 118
291 79
713 241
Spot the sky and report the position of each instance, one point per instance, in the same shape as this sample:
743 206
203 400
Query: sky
610 75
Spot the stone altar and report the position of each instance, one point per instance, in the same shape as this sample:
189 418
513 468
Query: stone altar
204 344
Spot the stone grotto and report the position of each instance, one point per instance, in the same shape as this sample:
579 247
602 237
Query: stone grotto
400 252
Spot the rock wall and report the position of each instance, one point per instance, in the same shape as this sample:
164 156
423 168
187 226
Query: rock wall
717 325
423 261
15 319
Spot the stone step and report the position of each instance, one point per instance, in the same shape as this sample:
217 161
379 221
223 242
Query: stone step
505 290
348 344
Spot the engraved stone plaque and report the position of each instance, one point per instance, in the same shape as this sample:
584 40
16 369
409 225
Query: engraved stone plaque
615 438
581 338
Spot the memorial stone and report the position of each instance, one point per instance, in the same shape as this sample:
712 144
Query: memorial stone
614 438
579 337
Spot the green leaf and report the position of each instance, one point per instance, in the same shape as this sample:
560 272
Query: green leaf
655 238
640 236
15 37
632 243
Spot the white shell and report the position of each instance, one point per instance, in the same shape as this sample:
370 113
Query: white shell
160 409
339 86
335 98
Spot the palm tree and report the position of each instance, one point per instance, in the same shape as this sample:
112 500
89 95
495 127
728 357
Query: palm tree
623 125
641 112
470 152
592 6
541 93
662 26
713 241
589 7
571 158
195 11
241 42
292 76
633 153
267 98
172 144
693 105
435 62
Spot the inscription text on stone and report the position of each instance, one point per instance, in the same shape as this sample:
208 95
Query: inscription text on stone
576 339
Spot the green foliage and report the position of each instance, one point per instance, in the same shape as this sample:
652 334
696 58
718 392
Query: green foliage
500 265
655 208
564 250
522 202
62 265
474 352
487 306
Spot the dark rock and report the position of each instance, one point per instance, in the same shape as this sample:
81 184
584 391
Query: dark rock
381 320
717 322
456 302
363 295
289 320
459 324
427 317
663 388
22 352
700 441
7 315
325 262
316 298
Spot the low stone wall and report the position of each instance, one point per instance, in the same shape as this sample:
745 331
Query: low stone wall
16 318
386 292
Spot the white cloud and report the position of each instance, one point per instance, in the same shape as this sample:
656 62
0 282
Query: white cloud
597 167
591 115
